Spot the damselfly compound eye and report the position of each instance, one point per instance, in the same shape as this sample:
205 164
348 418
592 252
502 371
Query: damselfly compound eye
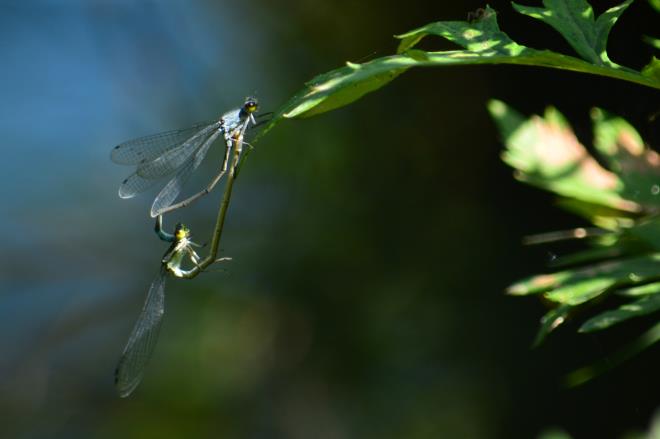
181 231
251 105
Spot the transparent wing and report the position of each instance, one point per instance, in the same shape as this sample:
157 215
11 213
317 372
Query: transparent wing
143 339
148 173
172 189
149 147
133 185
173 159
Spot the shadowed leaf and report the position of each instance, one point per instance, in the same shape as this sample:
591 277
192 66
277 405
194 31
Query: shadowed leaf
645 305
550 321
584 374
574 20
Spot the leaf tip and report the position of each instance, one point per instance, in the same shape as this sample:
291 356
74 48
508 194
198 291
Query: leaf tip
517 290
496 108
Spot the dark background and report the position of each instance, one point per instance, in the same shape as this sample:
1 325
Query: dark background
371 246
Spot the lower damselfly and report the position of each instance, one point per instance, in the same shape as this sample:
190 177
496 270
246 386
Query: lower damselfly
177 154
142 340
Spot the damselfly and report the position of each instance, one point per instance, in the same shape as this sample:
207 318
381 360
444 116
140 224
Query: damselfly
177 154
143 338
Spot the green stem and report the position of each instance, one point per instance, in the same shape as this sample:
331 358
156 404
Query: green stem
220 220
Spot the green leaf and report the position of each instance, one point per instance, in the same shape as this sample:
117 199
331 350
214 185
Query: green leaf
642 290
652 69
573 287
591 255
554 433
550 321
602 216
507 119
637 166
483 43
592 281
615 138
647 231
574 20
538 284
623 201
585 374
582 289
546 153
653 42
345 85
655 4
481 36
645 305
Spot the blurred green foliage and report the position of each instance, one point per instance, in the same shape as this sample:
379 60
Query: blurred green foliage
622 200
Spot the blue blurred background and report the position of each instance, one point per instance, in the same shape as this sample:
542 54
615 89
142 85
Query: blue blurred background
371 245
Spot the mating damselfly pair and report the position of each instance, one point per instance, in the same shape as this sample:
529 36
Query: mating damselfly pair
174 155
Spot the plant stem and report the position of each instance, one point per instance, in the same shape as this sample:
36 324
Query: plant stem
222 212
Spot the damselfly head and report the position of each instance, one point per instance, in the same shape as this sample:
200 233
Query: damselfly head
251 105
181 232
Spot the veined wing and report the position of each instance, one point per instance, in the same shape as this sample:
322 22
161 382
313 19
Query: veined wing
133 185
149 147
173 159
136 183
143 339
172 189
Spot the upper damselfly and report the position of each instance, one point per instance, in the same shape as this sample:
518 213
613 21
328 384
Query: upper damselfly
143 338
177 154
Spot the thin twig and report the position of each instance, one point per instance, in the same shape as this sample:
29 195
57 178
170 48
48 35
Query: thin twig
222 212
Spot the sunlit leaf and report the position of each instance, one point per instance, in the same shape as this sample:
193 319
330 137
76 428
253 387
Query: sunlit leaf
574 20
483 43
479 36
623 200
538 284
546 153
587 283
655 42
642 290
576 286
345 85
637 166
652 69
602 216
